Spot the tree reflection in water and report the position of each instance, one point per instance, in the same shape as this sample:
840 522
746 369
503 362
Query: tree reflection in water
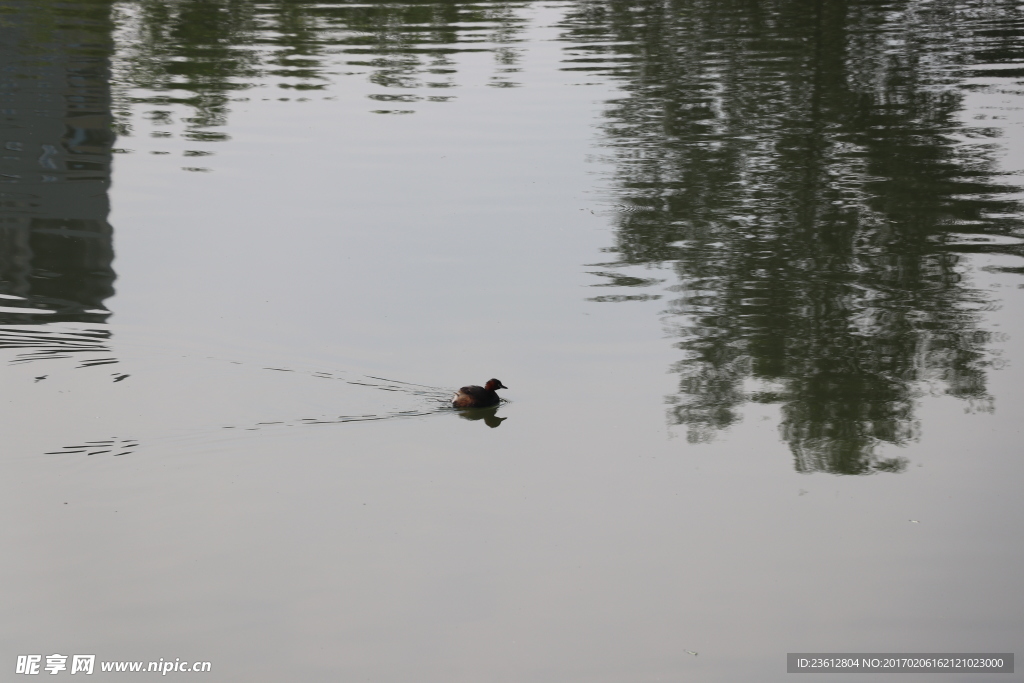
804 173
206 53
802 166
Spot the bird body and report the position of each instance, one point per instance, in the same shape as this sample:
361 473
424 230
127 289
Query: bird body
478 397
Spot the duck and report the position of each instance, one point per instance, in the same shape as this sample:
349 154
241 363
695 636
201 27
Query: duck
478 397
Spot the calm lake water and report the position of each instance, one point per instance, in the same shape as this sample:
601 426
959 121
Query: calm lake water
753 272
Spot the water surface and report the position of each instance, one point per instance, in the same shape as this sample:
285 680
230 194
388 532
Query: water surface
752 272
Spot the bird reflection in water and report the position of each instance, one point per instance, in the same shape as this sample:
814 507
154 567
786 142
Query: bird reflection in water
488 415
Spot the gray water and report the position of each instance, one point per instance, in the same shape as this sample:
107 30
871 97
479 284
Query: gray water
752 273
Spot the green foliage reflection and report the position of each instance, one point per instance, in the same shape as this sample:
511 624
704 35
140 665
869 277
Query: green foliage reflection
205 53
803 167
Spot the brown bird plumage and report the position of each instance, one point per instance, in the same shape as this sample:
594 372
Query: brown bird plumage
478 397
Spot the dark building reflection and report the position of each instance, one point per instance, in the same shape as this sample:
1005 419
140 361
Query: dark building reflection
55 108
803 168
